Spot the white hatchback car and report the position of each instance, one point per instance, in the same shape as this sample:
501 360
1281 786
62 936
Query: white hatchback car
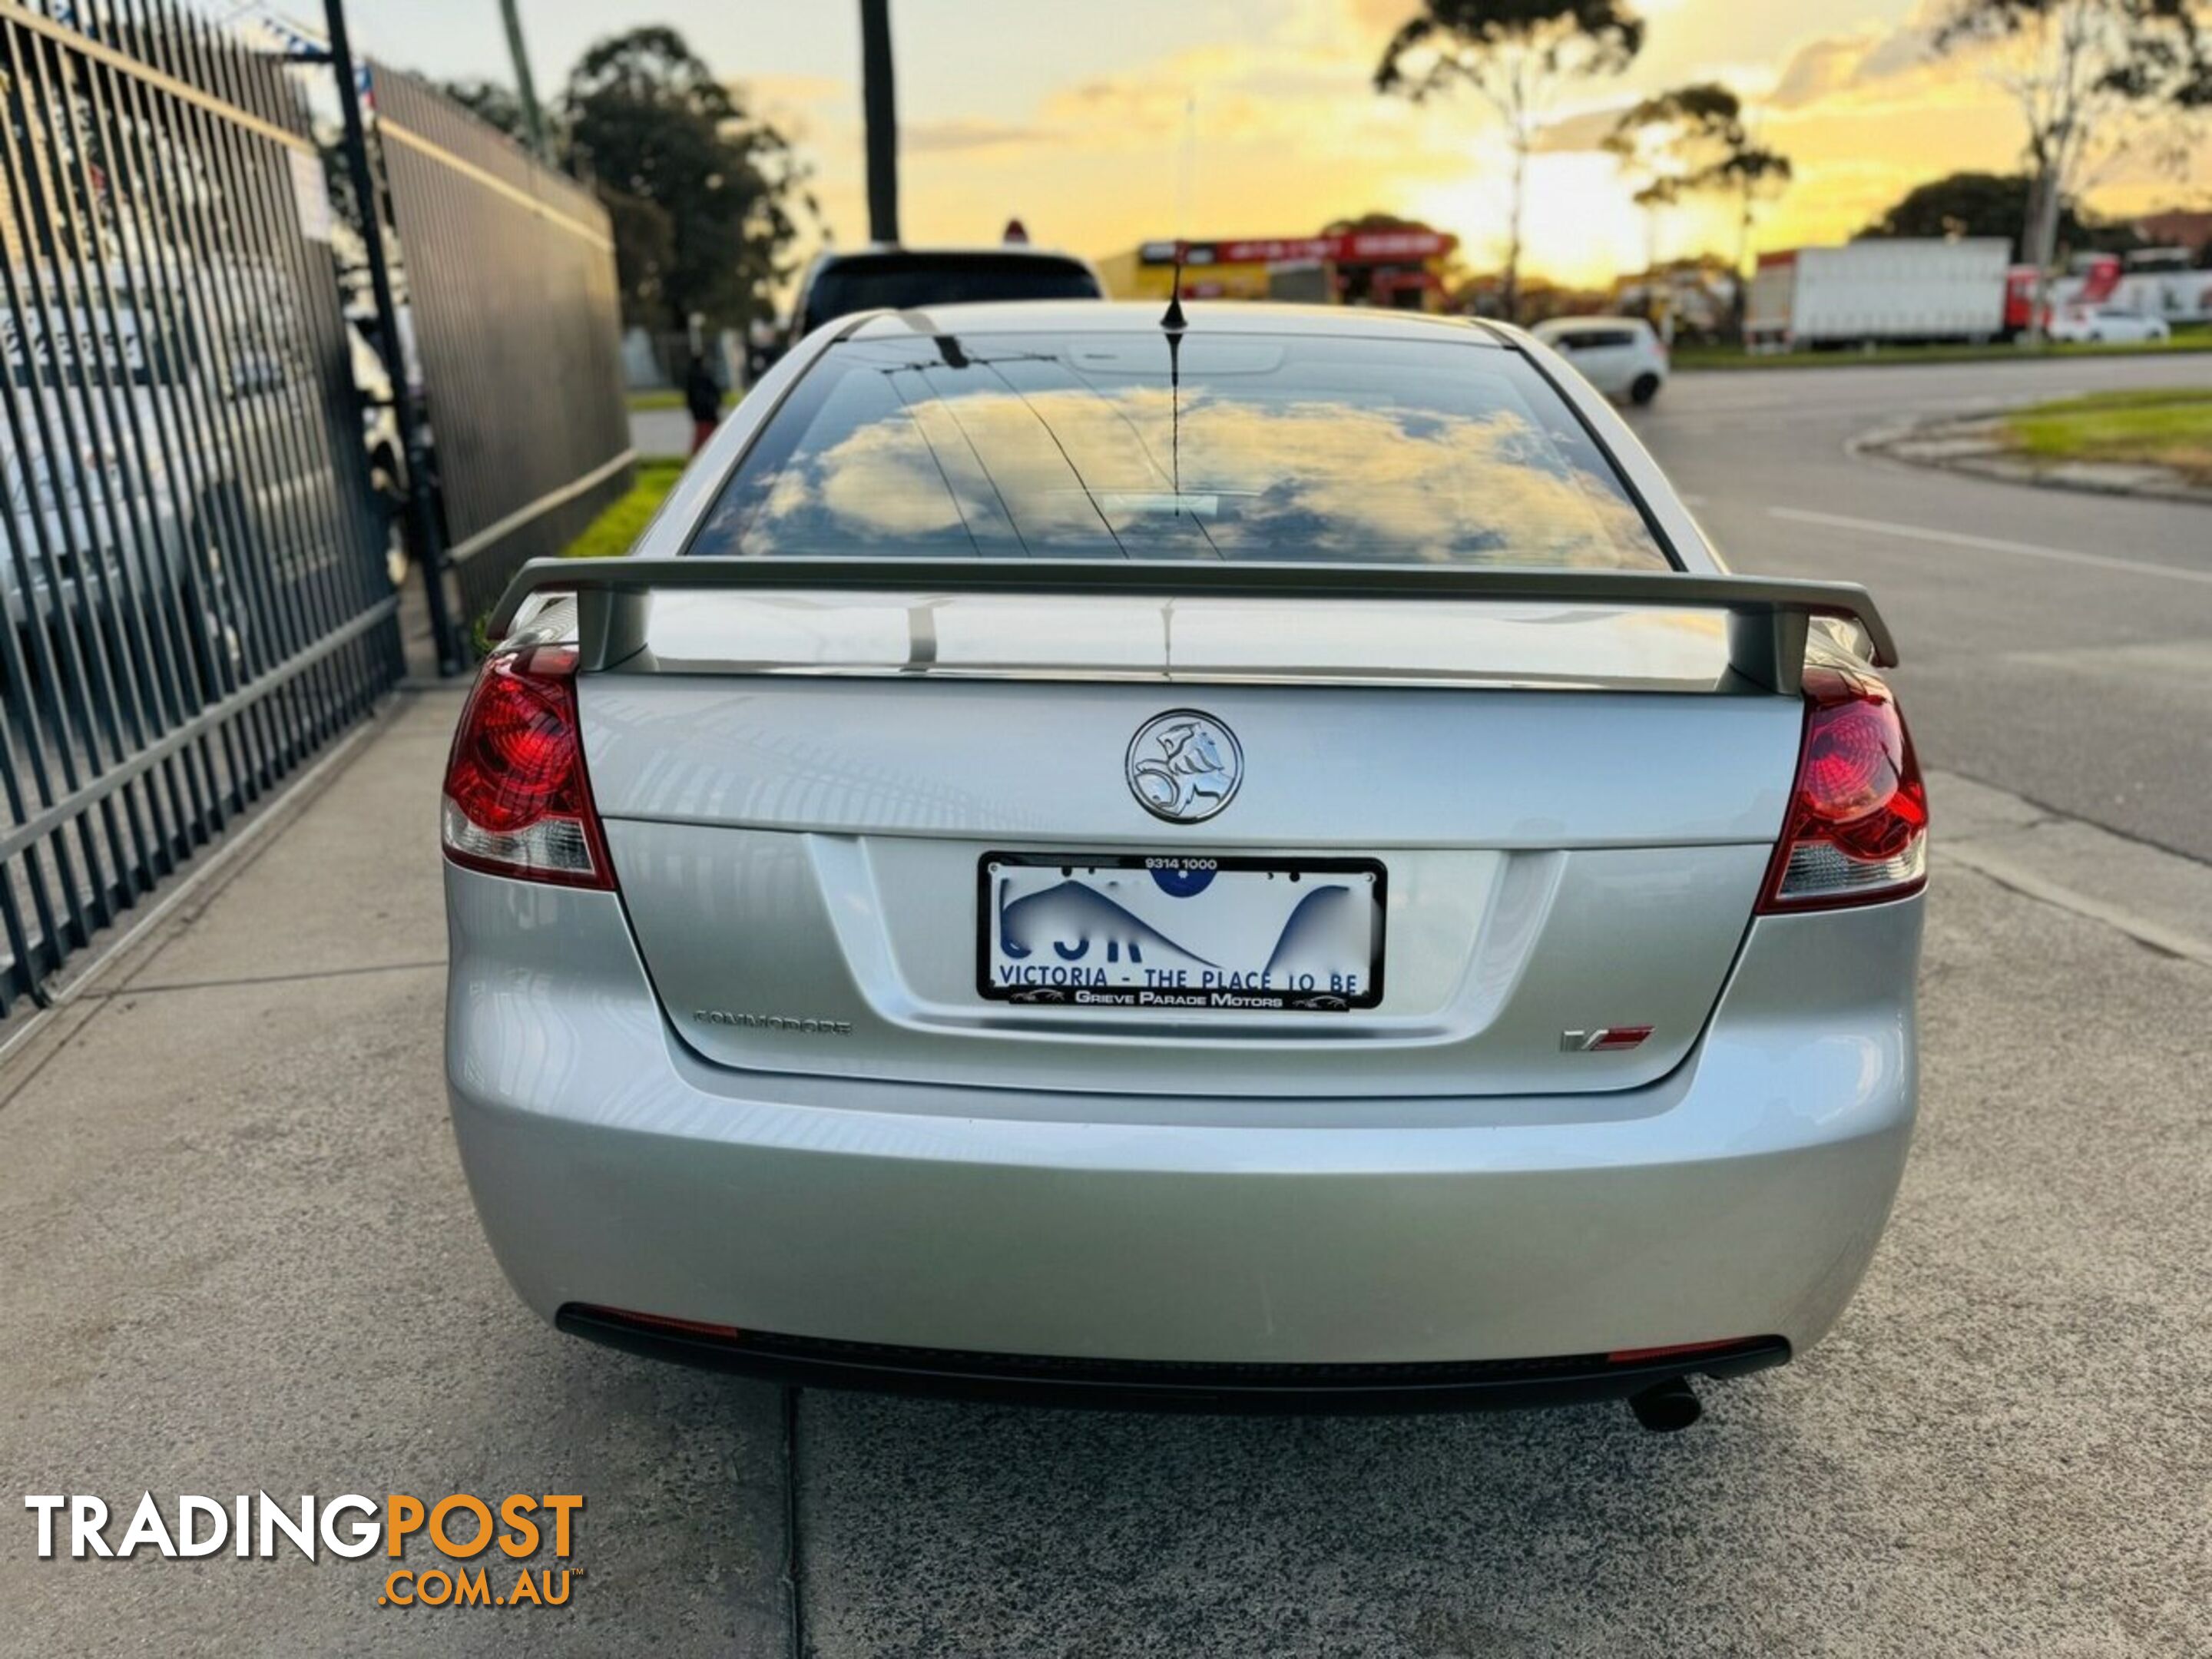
2075 323
1621 356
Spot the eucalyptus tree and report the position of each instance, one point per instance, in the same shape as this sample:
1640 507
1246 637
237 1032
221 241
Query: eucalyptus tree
1697 140
1512 54
2091 79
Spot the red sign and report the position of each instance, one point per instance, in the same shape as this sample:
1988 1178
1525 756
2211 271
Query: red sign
1274 250
1381 246
1358 247
1355 247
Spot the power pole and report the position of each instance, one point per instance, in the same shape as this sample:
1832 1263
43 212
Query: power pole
879 112
525 91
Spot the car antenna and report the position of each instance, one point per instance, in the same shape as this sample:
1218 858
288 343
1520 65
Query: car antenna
1173 320
1174 406
1172 323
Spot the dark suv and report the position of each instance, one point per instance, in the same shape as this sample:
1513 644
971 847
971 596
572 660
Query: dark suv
838 284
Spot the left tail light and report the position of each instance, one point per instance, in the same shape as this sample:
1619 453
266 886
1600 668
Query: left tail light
517 800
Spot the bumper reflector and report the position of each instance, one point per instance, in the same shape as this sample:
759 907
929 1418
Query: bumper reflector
1636 1356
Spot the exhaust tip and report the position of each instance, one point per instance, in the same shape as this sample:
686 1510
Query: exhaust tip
1671 1406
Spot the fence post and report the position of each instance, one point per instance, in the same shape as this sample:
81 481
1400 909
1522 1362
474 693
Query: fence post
422 517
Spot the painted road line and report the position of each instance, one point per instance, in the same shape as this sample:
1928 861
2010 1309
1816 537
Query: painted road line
1991 545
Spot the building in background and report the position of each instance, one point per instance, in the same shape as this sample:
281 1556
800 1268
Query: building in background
2179 228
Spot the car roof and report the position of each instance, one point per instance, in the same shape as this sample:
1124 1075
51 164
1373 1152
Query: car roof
981 251
1143 316
1558 324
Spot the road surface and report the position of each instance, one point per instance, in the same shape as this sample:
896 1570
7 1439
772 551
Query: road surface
2056 644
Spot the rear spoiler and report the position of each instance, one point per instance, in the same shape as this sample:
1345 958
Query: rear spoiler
1767 616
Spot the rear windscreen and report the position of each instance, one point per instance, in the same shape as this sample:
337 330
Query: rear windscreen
1222 446
907 281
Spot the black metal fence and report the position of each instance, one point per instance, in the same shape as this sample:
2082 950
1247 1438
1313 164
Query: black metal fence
195 582
509 279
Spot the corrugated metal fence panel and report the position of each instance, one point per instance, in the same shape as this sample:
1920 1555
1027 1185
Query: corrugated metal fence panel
194 578
509 271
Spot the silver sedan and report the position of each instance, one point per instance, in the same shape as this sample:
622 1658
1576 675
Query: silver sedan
1247 859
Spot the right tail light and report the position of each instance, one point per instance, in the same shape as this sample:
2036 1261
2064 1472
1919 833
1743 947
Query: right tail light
1857 828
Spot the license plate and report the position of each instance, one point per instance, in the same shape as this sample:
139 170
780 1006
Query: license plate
1174 932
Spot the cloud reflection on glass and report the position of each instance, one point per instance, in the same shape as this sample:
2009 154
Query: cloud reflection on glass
1081 447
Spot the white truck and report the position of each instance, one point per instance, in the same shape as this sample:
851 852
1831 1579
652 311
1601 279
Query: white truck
1878 290
2152 282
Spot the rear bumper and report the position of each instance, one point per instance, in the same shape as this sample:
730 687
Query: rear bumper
1740 1197
1166 1385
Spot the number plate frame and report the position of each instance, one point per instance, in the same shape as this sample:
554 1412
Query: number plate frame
1188 999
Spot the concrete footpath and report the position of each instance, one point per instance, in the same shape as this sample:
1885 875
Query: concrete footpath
236 1254
239 1255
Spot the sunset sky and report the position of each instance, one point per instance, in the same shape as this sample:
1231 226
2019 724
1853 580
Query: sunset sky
1071 115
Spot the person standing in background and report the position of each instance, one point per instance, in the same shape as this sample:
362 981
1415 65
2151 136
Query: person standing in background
702 396
761 349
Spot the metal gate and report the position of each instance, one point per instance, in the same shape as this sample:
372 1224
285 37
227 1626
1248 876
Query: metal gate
508 270
197 596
